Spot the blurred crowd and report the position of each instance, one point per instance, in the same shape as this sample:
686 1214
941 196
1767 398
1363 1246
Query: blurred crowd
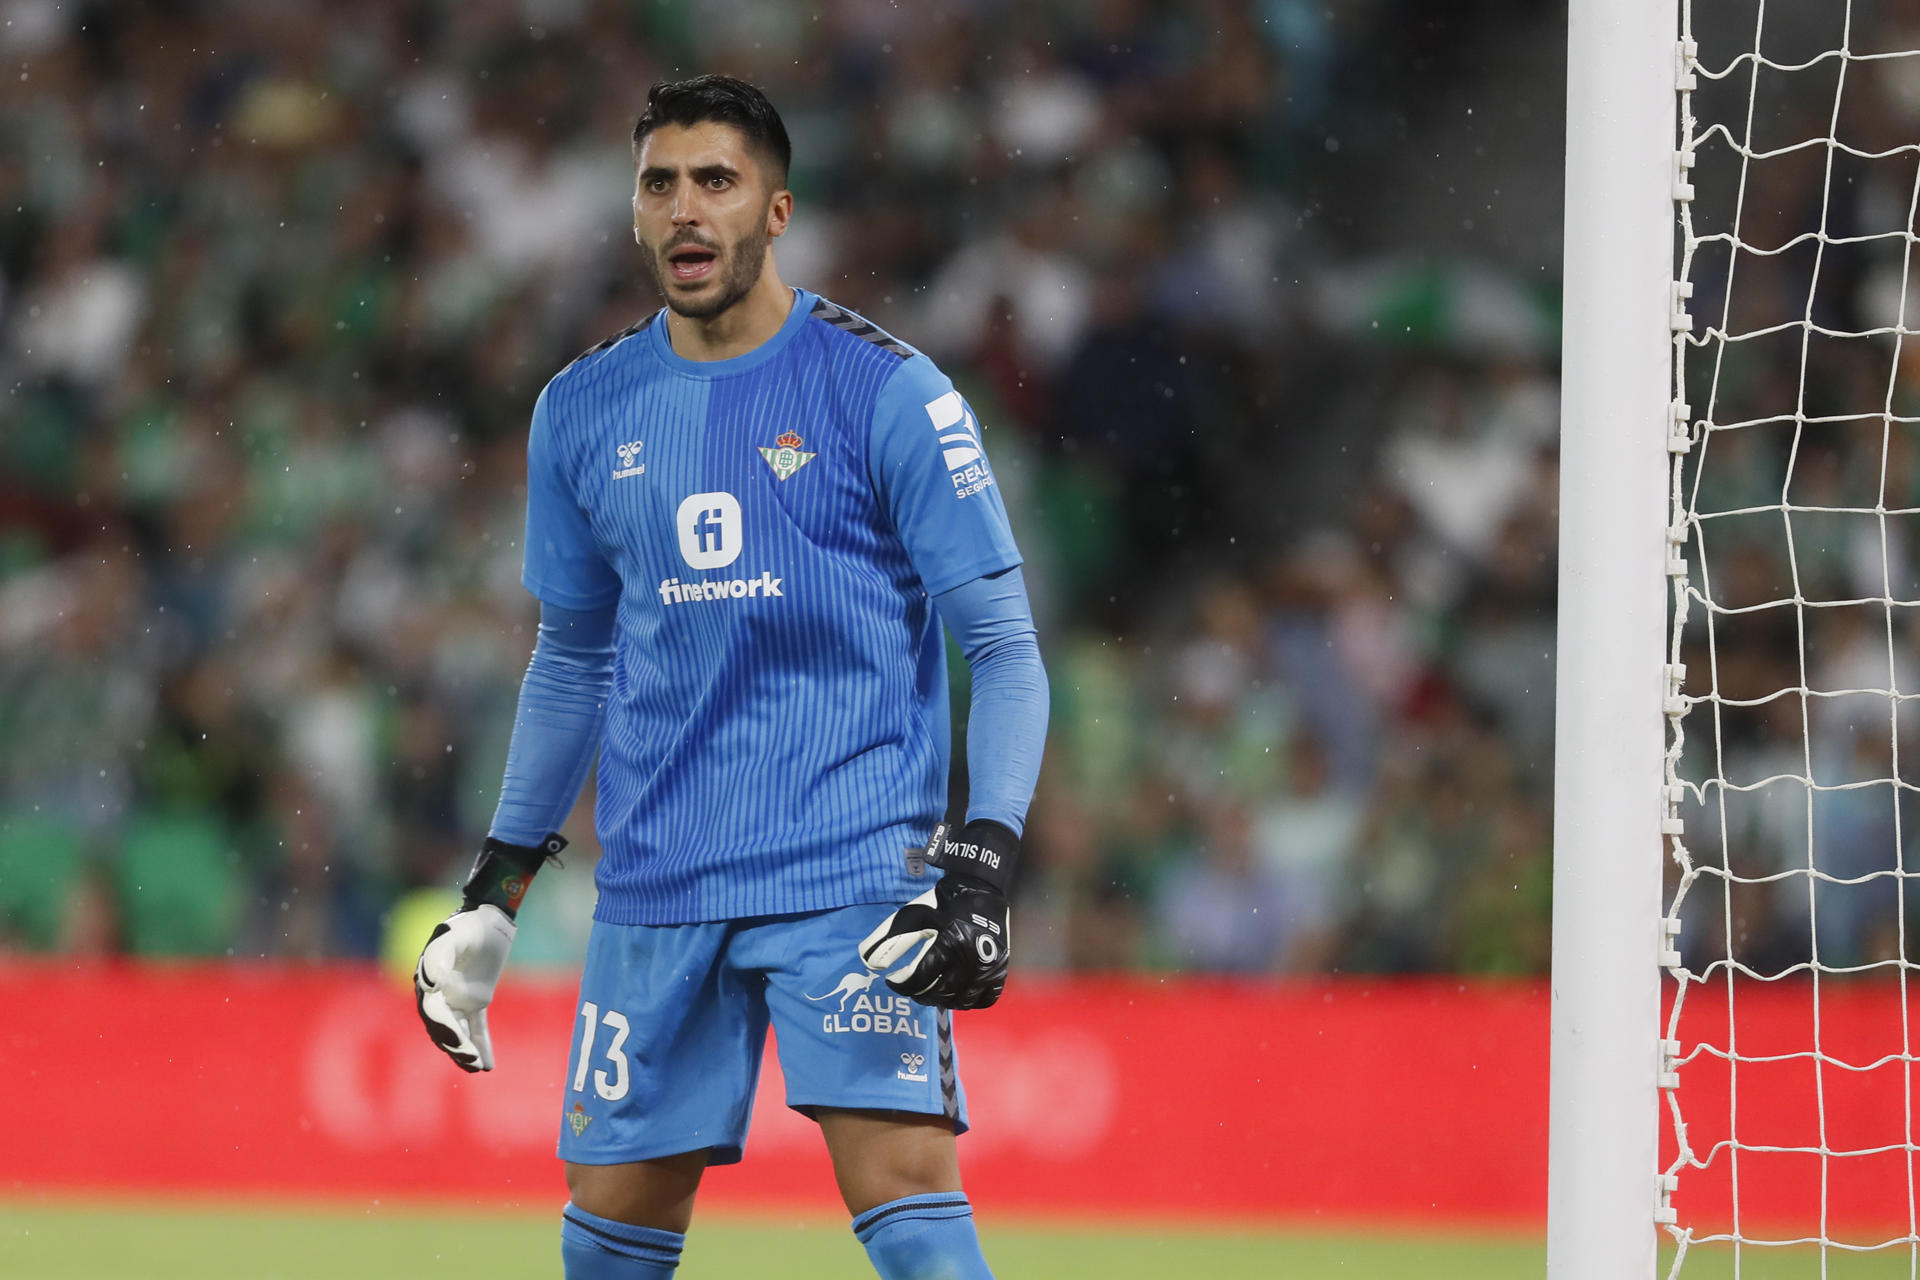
1803 499
280 281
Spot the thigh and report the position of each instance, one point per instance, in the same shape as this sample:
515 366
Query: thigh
845 1040
666 1048
880 1156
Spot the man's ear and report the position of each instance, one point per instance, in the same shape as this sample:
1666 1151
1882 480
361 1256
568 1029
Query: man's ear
779 210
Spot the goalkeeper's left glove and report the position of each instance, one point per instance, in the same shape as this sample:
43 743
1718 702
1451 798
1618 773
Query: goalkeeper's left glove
954 939
461 963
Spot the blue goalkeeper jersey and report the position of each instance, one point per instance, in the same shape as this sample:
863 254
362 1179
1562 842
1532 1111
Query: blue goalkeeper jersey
772 527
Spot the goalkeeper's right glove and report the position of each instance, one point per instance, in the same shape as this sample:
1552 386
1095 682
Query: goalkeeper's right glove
461 963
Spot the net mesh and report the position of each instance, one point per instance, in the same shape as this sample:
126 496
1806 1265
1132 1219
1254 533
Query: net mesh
1793 760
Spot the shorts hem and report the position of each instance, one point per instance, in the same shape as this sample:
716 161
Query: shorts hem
875 1103
718 1153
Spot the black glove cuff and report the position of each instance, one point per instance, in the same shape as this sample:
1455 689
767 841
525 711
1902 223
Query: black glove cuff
983 849
503 871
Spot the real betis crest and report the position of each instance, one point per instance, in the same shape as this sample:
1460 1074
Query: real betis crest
785 457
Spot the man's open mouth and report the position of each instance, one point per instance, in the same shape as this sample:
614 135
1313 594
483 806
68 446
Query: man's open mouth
691 261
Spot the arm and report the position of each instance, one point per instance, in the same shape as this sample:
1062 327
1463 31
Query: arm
555 732
1007 725
926 458
928 463
556 728
563 696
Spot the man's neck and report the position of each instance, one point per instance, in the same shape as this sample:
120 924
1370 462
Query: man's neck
743 326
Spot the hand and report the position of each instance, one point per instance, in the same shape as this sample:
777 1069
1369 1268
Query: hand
453 983
954 940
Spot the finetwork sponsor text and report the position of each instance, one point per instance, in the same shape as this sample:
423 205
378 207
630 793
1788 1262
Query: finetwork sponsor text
674 591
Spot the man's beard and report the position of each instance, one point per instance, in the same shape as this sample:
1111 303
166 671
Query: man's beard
744 262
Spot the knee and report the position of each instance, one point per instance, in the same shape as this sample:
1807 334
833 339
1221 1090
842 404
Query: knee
888 1162
870 1188
646 1193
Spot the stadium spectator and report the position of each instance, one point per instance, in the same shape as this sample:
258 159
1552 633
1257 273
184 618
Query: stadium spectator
277 288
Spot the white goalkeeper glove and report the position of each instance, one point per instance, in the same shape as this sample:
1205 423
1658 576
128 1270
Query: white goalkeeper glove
453 983
461 964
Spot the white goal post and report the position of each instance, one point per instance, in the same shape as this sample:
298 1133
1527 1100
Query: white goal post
1610 729
1733 1037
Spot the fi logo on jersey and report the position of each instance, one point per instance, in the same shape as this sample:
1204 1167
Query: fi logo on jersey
709 529
708 525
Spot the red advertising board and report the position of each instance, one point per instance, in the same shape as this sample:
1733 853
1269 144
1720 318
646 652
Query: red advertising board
1807 1101
1177 1099
1345 1101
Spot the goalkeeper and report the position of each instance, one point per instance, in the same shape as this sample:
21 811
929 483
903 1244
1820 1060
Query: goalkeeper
748 518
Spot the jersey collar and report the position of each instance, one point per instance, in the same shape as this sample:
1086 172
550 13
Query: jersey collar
663 346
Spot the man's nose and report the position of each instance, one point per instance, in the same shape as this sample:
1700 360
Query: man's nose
684 211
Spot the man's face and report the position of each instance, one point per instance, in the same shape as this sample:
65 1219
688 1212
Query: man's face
704 210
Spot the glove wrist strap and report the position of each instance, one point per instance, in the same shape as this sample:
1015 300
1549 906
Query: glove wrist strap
503 871
983 849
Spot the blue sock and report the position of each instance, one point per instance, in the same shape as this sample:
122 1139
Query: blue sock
928 1237
596 1248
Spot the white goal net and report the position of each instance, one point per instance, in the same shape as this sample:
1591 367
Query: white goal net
1793 764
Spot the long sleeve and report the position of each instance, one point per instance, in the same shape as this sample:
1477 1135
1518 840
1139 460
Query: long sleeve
1007 724
556 728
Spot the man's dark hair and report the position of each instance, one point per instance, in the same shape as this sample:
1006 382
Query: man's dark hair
722 99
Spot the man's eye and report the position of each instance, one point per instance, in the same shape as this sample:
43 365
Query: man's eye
718 184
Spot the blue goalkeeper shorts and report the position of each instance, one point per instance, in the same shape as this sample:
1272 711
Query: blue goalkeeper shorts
673 1019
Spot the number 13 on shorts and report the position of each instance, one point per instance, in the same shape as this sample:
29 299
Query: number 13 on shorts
611 1087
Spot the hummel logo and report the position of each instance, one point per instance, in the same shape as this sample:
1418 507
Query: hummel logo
629 466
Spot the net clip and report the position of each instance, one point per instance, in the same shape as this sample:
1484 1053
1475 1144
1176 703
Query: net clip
1677 703
1682 162
1676 558
1676 533
1669 946
1664 1185
1680 413
1685 54
1678 316
1669 1064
